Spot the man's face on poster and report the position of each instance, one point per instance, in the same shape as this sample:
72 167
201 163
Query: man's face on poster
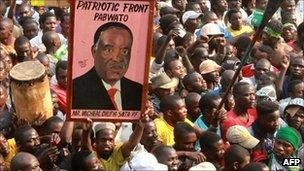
112 54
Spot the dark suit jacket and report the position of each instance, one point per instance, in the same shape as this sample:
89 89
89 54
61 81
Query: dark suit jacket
90 93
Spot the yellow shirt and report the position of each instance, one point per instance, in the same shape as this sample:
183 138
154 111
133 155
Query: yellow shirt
244 29
8 49
165 131
115 161
12 152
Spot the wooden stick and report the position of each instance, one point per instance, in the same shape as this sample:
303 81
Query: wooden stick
272 7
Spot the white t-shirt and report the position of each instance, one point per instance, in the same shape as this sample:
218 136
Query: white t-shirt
37 41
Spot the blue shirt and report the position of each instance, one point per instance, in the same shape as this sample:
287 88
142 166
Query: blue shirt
201 124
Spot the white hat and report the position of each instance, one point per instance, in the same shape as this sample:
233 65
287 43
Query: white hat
143 161
294 105
104 125
19 2
190 15
204 166
239 135
267 91
211 29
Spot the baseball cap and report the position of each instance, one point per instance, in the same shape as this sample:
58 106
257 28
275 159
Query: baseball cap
163 81
211 29
143 161
294 105
208 66
190 15
239 135
268 92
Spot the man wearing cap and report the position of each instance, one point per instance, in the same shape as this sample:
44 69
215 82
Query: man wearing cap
105 86
112 155
289 33
216 42
239 135
161 85
210 72
191 20
271 36
294 114
287 142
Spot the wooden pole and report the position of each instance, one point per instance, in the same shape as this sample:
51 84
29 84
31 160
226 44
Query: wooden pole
272 7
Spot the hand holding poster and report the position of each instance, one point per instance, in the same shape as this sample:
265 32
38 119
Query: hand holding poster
110 59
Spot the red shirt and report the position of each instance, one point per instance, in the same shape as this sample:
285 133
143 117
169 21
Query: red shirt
61 97
233 119
247 71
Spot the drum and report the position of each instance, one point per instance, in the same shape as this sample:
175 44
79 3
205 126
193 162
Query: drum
31 90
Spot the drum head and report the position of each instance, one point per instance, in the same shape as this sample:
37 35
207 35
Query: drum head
27 71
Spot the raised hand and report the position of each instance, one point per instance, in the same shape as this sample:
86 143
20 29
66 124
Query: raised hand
197 157
218 116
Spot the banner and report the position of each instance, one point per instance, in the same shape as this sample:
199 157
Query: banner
50 3
108 69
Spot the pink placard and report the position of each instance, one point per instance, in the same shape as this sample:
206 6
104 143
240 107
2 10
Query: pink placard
88 16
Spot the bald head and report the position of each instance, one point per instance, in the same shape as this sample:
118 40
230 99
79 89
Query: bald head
192 98
227 76
263 61
161 152
24 161
50 39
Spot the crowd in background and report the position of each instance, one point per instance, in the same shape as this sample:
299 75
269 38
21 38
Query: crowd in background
197 47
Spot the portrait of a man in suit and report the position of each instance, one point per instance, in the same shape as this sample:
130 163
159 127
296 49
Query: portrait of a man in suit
104 86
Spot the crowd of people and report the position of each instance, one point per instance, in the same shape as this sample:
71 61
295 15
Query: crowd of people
197 47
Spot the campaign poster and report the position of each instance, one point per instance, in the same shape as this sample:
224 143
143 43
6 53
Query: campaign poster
108 69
